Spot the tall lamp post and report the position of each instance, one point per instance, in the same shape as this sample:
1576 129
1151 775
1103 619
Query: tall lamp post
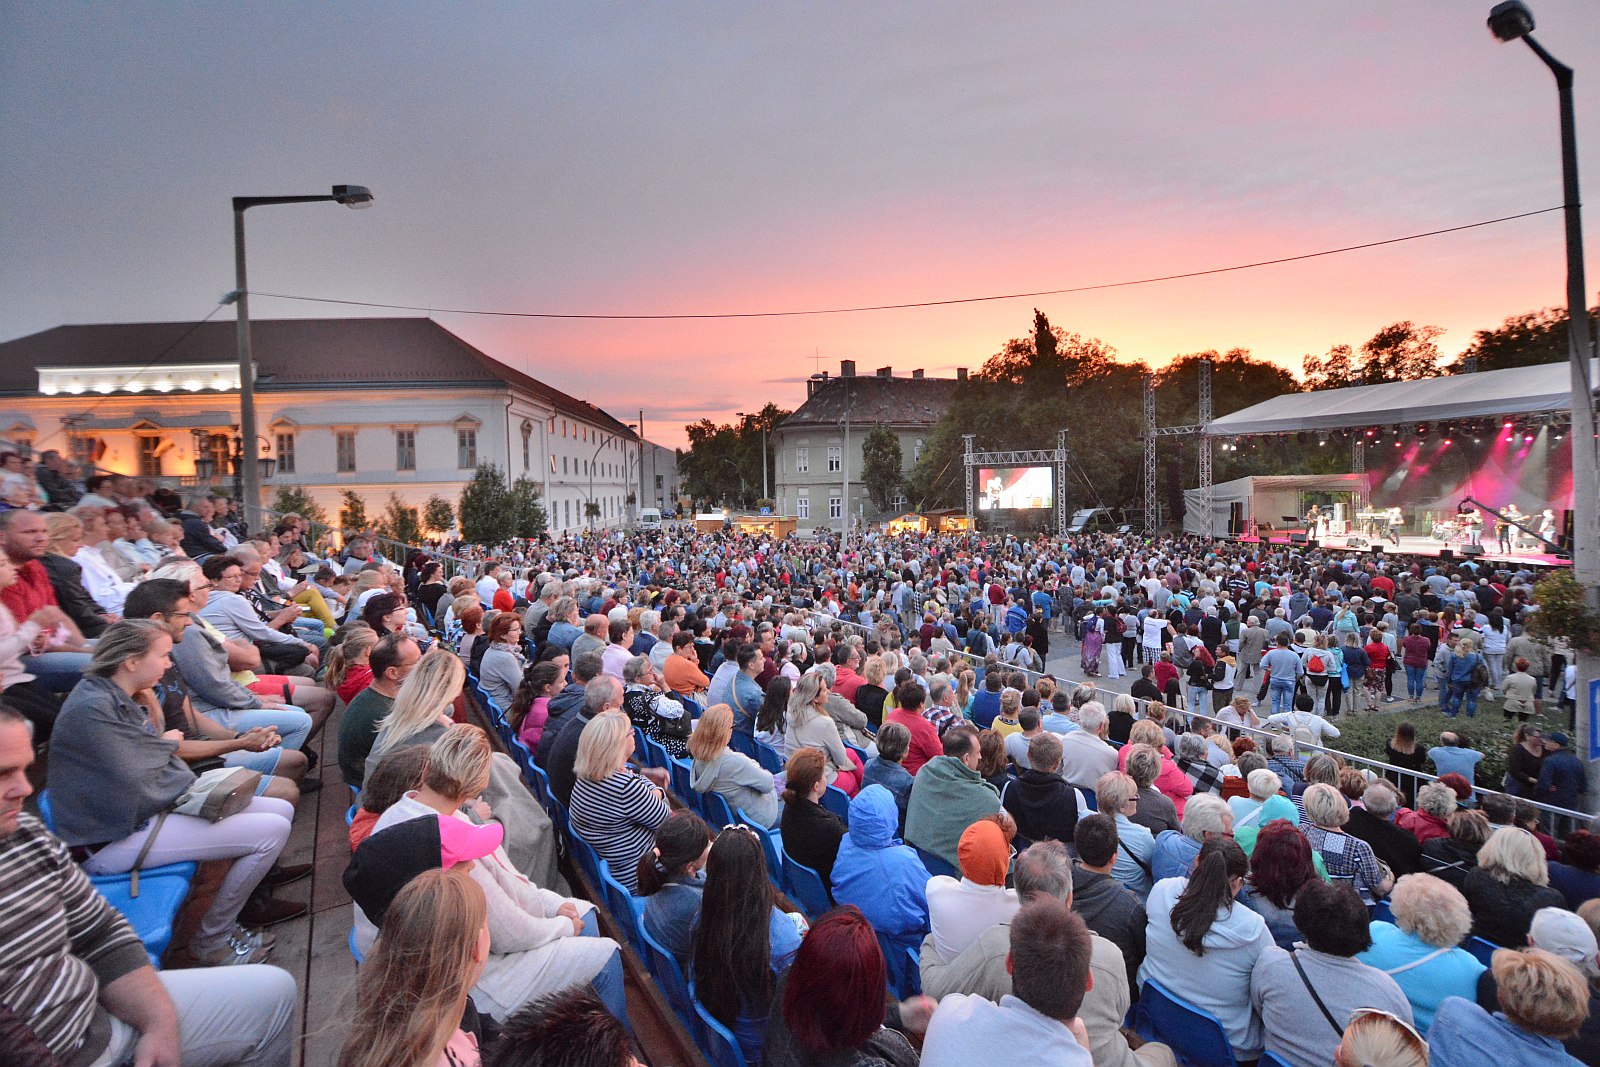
1510 21
355 196
762 417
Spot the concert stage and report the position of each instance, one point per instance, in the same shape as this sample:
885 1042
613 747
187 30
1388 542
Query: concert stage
1413 545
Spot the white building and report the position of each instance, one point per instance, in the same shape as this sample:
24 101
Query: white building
819 447
377 406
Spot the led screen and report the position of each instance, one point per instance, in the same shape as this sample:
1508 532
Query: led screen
1015 489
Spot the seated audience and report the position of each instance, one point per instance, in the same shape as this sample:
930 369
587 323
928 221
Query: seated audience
830 1002
671 878
1306 994
1544 1000
397 774
567 1029
878 874
350 664
1577 876
392 660
1044 805
1452 857
1345 858
926 743
1435 803
1156 812
1205 818
1085 755
1265 803
735 777
1509 884
1037 1022
887 767
1117 795
743 940
1373 822
648 707
614 808
1106 904
961 909
80 982
948 796
500 669
412 1003
811 833
530 708
1377 1039
1280 867
1204 948
1419 949
811 726
1169 781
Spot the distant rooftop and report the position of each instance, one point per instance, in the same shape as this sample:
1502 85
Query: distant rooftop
916 400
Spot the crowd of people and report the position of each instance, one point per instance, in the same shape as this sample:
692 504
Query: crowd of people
1052 859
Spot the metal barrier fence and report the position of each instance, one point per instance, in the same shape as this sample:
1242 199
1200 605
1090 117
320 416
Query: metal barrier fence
1560 820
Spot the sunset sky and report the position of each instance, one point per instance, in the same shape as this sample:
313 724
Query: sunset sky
742 157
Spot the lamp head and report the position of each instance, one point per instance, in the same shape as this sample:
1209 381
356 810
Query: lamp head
1510 20
359 196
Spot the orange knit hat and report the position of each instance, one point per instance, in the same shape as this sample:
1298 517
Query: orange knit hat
984 855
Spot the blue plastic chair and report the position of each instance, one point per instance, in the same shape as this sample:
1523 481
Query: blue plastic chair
714 809
936 864
743 743
588 859
350 814
913 972
1091 800
837 801
861 753
1166 1017
625 908
539 782
806 887
354 950
1272 1059
1483 951
1382 913
670 977
721 1048
655 754
771 759
682 771
153 913
519 751
771 845
639 756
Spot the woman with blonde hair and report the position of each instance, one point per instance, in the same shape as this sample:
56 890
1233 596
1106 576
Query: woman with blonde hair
1510 883
1543 1001
1346 858
1117 795
66 575
614 808
1377 1039
1171 782
735 777
1419 949
537 942
871 694
348 673
810 726
411 991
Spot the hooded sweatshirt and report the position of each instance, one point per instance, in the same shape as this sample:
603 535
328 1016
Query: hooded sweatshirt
877 873
1219 979
947 797
741 781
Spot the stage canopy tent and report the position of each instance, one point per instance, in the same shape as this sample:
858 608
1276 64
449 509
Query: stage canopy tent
1544 389
1265 499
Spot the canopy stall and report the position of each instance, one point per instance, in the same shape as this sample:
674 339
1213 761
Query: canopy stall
1258 500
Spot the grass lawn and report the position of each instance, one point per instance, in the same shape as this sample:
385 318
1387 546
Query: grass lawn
1488 732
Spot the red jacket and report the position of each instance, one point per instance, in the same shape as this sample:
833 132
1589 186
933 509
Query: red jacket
846 682
1422 826
925 743
30 592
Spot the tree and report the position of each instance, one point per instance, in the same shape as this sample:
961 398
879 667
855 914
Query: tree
399 522
293 499
1525 340
1400 352
880 466
484 510
724 461
528 519
437 515
353 514
591 511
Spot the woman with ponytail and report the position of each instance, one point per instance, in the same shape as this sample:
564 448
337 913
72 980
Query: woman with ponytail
672 878
1203 947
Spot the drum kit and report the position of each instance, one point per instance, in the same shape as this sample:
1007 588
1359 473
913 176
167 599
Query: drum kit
1457 531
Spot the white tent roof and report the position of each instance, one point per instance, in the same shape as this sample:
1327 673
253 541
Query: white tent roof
1517 391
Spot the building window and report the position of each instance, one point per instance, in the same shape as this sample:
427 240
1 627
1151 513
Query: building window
344 448
802 459
898 503
405 450
835 507
466 448
567 507
149 457
285 444
916 452
835 458
802 508
527 447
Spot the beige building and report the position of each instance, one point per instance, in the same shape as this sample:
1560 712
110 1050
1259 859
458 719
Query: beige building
374 405
818 448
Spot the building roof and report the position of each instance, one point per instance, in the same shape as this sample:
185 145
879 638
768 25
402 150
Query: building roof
1543 389
289 354
873 399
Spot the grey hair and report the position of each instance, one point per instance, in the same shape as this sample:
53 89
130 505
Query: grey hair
894 741
1205 814
599 692
1263 784
1192 747
1325 805
1092 716
121 642
1281 745
634 669
826 672
1144 765
178 568
1436 799
1044 869
1380 799
649 620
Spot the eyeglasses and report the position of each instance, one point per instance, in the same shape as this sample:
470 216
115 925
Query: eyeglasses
180 614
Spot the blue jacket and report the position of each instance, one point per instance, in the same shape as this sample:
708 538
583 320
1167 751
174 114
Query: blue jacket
877 873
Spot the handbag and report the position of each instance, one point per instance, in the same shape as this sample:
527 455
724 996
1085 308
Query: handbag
212 796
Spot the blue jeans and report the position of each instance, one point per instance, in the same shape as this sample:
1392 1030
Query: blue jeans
1460 695
57 671
1282 696
292 723
1416 681
1198 700
609 985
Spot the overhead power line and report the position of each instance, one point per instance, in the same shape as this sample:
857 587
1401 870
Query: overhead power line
435 309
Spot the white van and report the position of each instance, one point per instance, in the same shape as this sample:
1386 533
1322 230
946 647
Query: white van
650 519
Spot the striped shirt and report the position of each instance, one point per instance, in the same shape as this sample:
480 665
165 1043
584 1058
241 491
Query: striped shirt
60 942
618 817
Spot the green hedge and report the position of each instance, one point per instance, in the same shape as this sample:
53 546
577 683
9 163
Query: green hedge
1489 733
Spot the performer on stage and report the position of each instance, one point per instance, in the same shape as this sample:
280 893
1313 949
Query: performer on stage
1317 523
1547 525
1394 521
1471 521
1511 526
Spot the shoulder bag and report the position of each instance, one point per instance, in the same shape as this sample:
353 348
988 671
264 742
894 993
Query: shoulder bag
213 796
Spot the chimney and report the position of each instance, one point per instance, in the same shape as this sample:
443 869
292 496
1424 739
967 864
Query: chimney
847 368
815 382
886 372
961 374
917 374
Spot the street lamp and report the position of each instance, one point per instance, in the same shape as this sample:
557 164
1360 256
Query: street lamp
1511 21
353 196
